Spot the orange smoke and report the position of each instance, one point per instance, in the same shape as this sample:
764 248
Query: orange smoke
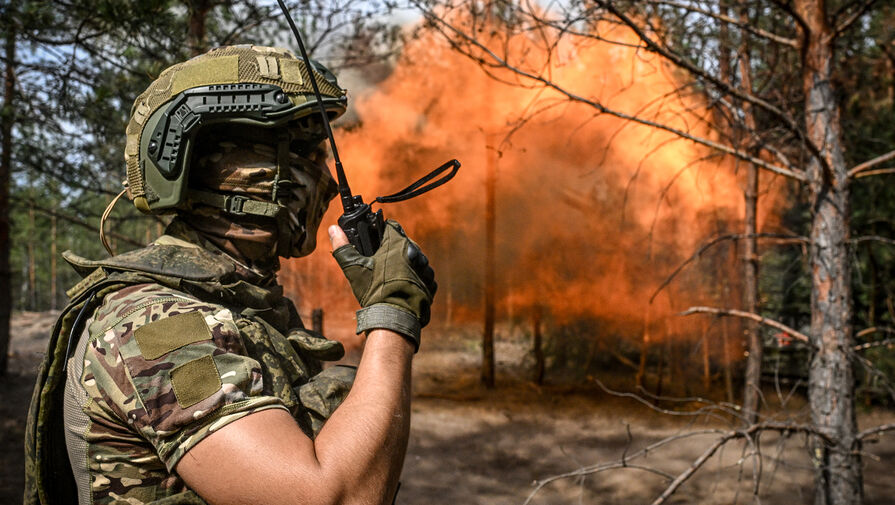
593 212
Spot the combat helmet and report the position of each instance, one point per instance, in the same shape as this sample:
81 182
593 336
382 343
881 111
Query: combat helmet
247 85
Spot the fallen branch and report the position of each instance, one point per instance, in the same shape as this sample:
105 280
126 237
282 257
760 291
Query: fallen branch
748 315
676 482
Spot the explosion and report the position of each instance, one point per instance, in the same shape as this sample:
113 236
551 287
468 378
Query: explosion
592 211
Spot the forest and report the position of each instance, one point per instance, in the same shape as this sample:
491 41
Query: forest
670 209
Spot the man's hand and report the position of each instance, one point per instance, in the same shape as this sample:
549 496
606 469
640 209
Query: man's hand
395 286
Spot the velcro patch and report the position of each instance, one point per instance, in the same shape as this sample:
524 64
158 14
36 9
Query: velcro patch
195 381
223 70
291 71
165 335
268 67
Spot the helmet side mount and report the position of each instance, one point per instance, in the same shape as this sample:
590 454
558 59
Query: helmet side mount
170 132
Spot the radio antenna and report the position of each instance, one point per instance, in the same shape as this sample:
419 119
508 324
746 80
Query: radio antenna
345 195
363 227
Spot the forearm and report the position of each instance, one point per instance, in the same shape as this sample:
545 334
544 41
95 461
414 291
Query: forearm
362 445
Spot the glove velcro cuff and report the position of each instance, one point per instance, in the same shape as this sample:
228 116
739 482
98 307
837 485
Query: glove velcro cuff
389 317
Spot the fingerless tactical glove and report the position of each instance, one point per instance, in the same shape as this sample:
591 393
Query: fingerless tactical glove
395 286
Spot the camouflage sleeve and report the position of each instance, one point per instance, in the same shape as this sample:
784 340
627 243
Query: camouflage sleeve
171 367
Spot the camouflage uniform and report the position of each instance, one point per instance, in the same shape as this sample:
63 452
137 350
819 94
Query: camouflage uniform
180 344
162 346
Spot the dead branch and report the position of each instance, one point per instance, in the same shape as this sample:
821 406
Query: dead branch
879 171
709 410
686 474
754 30
873 238
440 25
872 163
876 430
624 463
784 238
682 63
874 329
748 315
846 21
878 343
870 345
676 482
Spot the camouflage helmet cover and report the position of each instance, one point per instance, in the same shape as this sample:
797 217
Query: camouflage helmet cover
253 85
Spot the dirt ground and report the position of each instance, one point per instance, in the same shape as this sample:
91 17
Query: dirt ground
473 446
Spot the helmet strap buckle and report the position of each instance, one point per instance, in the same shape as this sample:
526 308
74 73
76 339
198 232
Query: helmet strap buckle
235 204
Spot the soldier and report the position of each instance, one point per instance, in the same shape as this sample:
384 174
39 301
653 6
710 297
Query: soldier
179 373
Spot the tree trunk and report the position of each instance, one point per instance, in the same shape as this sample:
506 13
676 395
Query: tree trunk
6 123
32 270
317 320
53 264
488 338
838 478
728 377
706 361
196 36
537 345
751 333
644 348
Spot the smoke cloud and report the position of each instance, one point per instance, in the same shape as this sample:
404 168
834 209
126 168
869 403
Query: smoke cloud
592 212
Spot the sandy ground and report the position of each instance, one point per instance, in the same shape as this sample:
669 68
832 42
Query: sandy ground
474 446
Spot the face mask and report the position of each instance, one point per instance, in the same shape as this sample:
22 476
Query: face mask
310 190
235 161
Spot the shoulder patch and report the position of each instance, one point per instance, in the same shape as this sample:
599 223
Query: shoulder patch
195 381
168 334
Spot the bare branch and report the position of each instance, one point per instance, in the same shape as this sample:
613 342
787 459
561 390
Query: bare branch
784 238
871 163
686 474
733 21
790 172
872 238
681 62
846 21
748 315
880 171
878 343
876 430
870 345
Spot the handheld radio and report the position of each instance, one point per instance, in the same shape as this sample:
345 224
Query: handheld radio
364 227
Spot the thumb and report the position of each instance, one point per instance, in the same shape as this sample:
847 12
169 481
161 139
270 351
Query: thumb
337 237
